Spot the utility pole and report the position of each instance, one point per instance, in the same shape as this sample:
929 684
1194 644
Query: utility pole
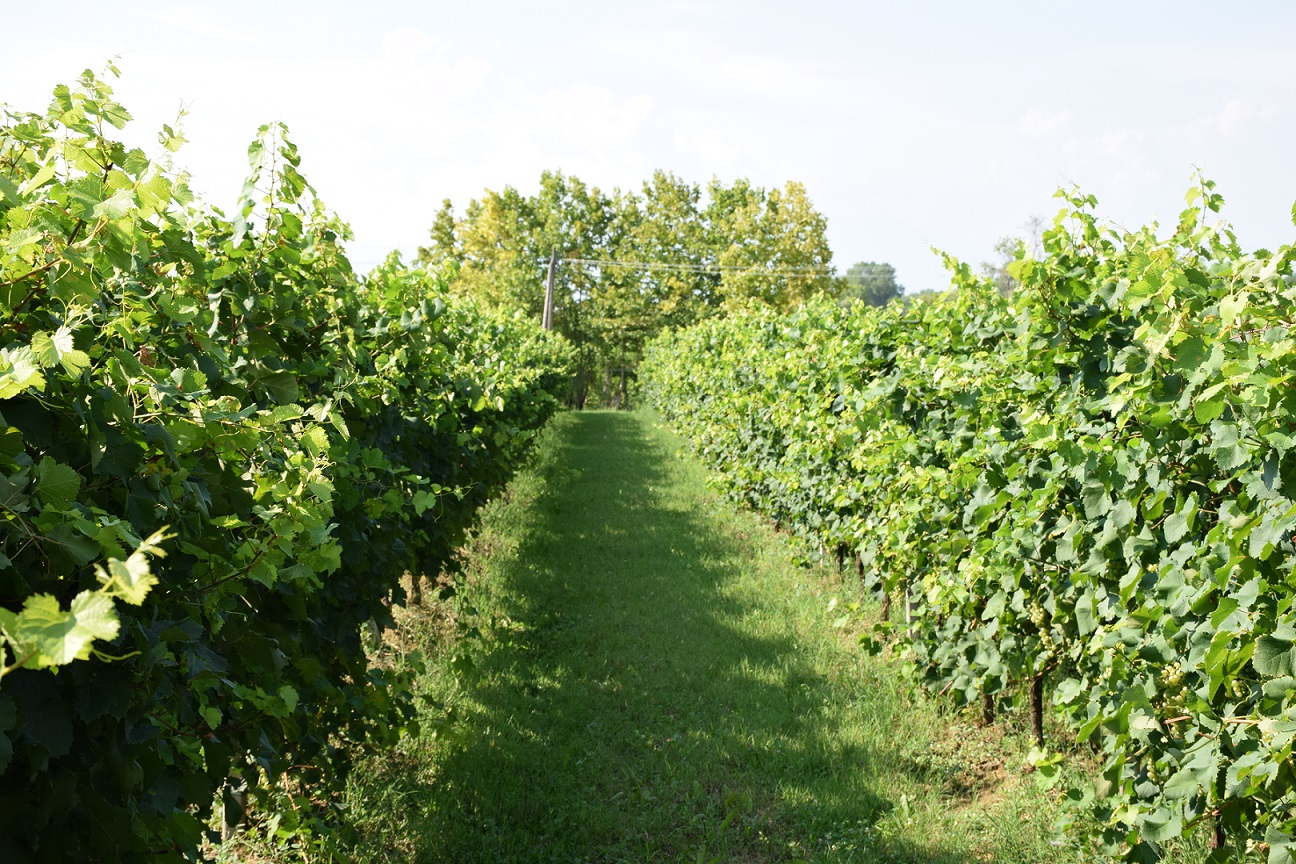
547 320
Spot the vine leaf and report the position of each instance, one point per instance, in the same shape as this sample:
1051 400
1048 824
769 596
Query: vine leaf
45 635
1274 657
19 370
56 484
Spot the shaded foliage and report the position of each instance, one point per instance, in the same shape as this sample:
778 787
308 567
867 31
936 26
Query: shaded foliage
304 437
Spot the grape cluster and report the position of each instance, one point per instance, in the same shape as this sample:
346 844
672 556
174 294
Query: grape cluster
1174 693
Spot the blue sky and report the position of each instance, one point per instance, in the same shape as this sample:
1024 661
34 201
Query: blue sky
913 125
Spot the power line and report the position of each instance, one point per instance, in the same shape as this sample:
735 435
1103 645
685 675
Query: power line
753 270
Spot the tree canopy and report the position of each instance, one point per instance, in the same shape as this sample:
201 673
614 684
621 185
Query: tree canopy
874 284
633 263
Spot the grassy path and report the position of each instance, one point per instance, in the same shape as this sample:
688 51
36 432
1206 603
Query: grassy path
654 679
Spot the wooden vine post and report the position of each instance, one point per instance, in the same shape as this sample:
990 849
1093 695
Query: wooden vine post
1037 708
547 319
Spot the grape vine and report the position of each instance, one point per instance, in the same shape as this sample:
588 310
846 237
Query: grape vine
1087 491
225 391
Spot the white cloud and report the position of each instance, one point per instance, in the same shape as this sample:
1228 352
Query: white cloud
707 68
1036 123
191 19
594 115
1236 116
708 146
411 43
1104 153
1124 145
1233 116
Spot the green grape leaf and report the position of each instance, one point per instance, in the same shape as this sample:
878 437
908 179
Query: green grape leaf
1277 688
1266 536
115 207
1097 501
132 579
57 485
289 697
44 635
179 307
19 370
1227 445
423 501
282 387
188 380
263 571
95 618
11 444
1123 513
41 177
1274 657
74 362
42 346
1282 846
155 193
1231 306
1180 522
11 194
1162 824
1209 404
338 423
59 350
315 441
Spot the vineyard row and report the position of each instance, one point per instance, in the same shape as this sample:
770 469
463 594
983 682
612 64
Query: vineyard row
220 452
1087 491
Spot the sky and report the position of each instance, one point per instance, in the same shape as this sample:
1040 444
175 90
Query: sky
931 123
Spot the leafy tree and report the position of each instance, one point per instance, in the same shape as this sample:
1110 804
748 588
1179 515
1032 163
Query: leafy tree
445 245
577 220
874 284
635 263
772 246
671 231
498 251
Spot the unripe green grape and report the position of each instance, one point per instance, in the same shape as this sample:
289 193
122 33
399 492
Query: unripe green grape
1037 615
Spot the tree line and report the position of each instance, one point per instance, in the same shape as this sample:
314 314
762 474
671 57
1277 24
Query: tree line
632 263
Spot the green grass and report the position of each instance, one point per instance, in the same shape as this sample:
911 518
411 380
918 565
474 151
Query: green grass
646 674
